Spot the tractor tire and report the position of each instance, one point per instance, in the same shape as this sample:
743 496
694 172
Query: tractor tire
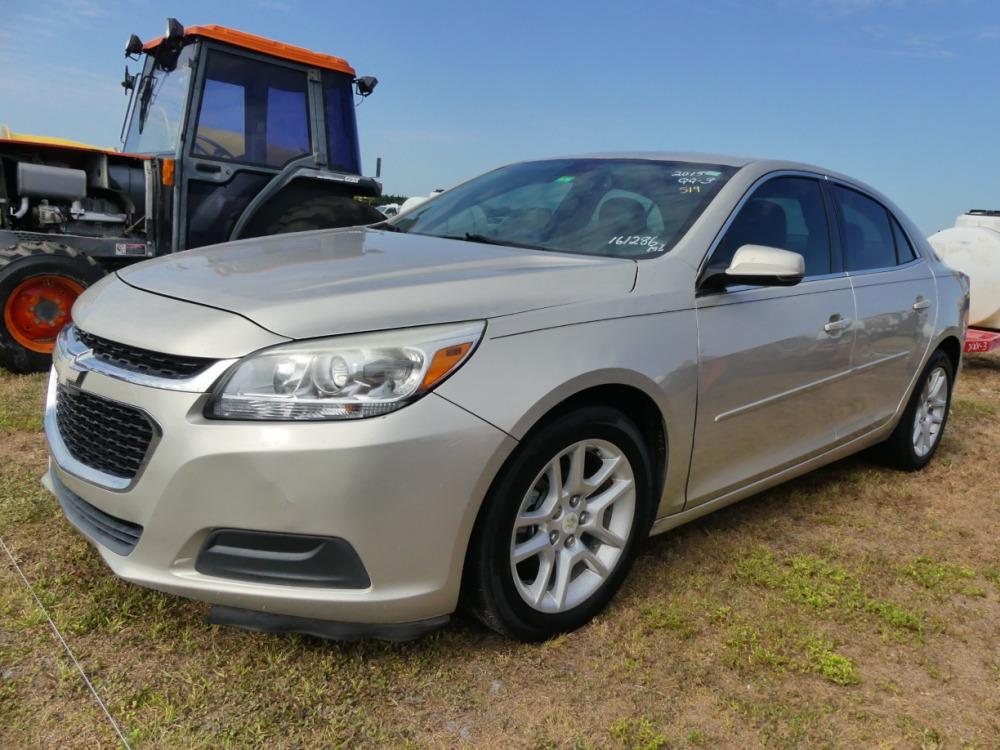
39 281
323 212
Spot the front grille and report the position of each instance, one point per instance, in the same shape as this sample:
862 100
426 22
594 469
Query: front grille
116 534
143 361
105 435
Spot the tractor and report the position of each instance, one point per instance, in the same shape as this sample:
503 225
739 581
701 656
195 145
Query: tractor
227 135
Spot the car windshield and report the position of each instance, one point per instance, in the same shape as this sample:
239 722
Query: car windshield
621 207
158 107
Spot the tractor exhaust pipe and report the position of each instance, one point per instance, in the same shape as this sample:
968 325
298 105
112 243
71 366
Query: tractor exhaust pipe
22 209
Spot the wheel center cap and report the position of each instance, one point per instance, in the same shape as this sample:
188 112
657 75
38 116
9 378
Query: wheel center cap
570 523
46 310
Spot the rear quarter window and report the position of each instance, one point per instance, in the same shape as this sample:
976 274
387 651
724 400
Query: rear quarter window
904 248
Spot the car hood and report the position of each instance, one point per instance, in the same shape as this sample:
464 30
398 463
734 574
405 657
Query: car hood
346 281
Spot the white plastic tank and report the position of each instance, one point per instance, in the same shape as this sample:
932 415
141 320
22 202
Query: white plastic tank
411 203
973 247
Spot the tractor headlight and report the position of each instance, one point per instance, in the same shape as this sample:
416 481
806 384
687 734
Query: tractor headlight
344 377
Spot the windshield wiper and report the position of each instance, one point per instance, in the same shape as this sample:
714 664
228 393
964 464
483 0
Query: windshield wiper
145 96
473 237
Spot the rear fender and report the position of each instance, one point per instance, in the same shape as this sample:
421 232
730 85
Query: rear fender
296 184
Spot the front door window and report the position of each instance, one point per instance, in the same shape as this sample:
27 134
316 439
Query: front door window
787 213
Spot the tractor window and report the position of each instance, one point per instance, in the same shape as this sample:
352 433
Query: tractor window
252 112
158 109
341 126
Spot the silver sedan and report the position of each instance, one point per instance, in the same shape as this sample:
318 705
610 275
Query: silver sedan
493 398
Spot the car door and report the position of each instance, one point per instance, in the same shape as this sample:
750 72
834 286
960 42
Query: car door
896 297
773 360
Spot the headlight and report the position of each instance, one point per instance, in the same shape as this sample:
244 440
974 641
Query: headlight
344 377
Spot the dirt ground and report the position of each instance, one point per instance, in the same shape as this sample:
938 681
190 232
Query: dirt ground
854 607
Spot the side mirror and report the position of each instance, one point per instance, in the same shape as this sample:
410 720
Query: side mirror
128 82
759 265
133 48
366 85
766 266
174 30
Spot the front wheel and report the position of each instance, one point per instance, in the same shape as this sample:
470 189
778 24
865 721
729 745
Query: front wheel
917 436
560 527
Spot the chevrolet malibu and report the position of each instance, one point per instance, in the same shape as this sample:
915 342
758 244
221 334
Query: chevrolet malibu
490 400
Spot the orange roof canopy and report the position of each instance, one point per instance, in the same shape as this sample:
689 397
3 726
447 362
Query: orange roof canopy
263 45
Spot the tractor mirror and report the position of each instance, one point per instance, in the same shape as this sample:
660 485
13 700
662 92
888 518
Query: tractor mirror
174 31
128 82
366 85
133 48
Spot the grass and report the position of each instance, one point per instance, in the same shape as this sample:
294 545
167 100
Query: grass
21 403
973 408
853 607
824 586
638 734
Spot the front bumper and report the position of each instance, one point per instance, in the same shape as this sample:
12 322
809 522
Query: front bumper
403 490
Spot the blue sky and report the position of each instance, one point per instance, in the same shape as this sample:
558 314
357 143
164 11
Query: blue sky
899 93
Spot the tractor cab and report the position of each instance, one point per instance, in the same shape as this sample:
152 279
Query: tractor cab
227 112
227 135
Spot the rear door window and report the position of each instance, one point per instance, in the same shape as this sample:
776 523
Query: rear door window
865 231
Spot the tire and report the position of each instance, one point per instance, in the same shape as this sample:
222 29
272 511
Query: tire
322 212
71 271
497 589
902 450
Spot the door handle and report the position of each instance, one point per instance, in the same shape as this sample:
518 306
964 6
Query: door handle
837 323
209 168
922 303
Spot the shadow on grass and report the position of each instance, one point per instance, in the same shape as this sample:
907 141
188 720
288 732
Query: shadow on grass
983 363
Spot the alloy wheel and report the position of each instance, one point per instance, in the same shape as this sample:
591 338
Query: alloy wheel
572 526
930 412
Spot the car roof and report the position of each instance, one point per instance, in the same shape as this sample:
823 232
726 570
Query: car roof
700 157
727 160
759 166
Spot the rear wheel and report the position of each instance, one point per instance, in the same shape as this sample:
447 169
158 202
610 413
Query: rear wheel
916 438
559 530
323 212
39 282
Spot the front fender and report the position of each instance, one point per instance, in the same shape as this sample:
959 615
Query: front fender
514 381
